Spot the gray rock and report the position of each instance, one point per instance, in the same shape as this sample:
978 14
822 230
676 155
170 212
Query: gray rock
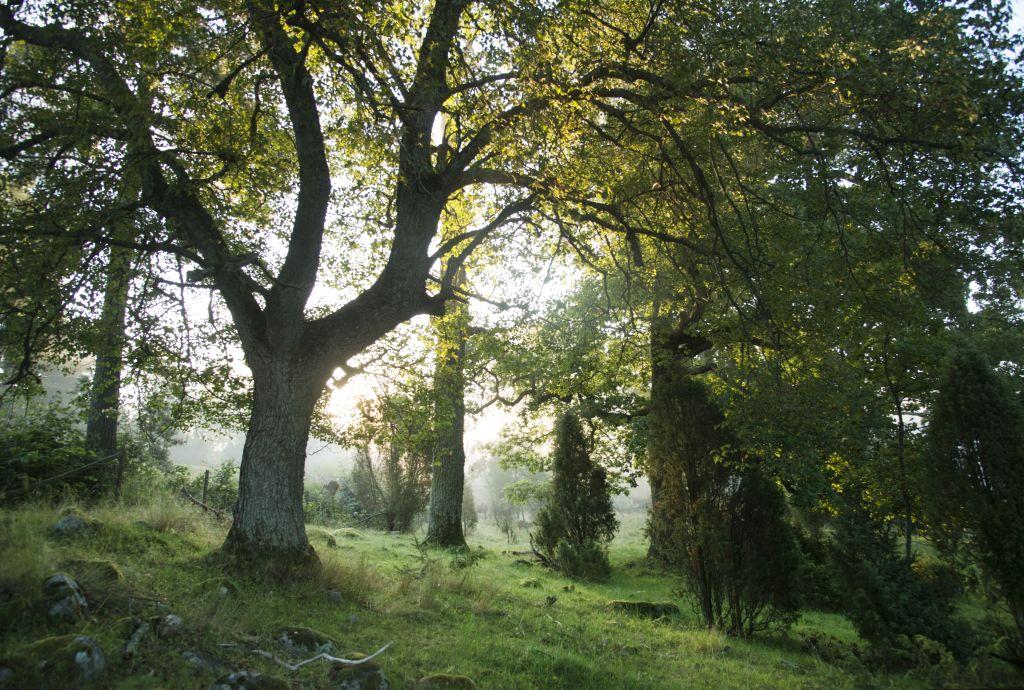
69 526
64 598
169 626
368 676
305 640
63 661
200 662
335 597
89 657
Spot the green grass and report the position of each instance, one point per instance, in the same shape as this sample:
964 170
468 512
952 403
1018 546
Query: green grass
478 621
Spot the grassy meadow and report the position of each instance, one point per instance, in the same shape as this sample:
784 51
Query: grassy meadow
487 614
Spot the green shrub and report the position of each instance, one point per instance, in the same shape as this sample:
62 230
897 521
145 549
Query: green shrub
821 589
321 507
974 488
587 561
41 445
578 521
761 567
716 519
886 597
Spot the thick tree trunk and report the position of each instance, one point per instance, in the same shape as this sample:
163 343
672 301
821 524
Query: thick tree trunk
683 436
105 393
668 447
268 517
444 516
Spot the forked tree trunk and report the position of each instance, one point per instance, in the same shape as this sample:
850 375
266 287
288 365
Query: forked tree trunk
105 392
268 517
447 479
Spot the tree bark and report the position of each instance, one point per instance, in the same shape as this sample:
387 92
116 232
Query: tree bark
105 393
268 516
447 480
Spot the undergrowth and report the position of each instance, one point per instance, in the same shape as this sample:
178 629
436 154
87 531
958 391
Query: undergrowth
464 612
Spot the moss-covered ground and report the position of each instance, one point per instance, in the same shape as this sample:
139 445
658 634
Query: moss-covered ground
486 615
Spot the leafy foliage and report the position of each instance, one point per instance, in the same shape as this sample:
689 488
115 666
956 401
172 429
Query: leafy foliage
885 596
45 443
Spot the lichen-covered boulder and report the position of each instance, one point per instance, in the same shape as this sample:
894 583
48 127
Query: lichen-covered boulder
644 609
69 526
367 676
64 661
320 533
305 640
445 681
249 680
64 598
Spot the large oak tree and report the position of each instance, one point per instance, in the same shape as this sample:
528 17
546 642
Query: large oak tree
239 119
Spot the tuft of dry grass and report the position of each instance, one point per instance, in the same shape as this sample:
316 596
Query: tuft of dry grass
354 578
168 513
25 555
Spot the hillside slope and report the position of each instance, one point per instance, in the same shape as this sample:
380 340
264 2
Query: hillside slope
502 622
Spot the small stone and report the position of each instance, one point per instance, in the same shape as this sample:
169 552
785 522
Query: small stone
69 526
169 626
64 597
445 681
89 657
335 597
368 676
249 680
305 640
200 662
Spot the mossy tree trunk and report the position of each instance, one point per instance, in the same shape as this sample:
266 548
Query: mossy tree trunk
683 436
447 480
105 392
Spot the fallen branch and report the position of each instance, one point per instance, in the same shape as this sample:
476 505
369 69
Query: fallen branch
133 643
323 655
202 505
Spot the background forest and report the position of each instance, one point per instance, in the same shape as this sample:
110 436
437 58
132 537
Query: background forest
690 333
